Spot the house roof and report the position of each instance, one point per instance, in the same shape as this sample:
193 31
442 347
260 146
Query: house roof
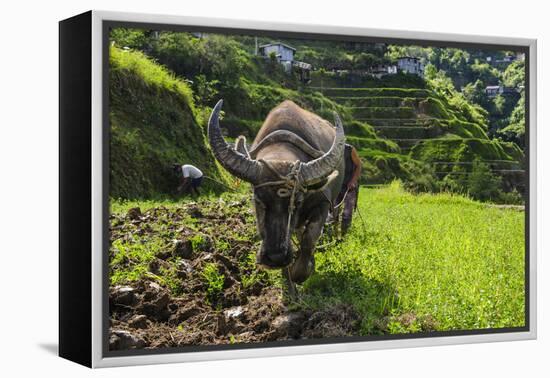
303 65
278 44
408 57
492 87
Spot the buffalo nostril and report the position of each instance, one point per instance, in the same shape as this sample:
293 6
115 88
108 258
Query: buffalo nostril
277 257
273 259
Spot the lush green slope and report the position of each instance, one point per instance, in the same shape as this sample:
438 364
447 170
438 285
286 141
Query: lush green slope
154 123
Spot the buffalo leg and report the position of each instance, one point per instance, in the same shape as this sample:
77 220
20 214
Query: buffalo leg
350 203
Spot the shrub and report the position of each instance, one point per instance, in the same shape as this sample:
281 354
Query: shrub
513 198
214 281
482 184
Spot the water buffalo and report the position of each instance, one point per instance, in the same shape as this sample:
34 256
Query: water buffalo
295 166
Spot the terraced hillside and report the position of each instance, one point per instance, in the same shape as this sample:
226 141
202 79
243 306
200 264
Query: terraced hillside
429 129
422 132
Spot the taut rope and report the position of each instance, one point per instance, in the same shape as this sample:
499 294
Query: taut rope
291 184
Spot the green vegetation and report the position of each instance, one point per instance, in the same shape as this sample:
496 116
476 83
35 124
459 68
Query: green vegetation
469 72
153 119
430 126
458 149
135 257
163 85
214 282
410 262
424 262
482 184
515 131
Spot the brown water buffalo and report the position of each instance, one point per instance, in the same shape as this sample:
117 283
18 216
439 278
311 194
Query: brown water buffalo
295 166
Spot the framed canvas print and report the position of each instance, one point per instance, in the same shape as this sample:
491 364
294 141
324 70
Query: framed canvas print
236 189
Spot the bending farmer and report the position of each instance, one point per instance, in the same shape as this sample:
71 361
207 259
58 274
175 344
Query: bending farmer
190 178
350 187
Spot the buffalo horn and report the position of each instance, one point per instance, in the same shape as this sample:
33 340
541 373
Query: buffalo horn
235 162
318 169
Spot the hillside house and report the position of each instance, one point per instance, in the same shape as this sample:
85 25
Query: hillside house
493 90
507 59
199 35
510 91
285 55
283 52
410 65
382 70
303 69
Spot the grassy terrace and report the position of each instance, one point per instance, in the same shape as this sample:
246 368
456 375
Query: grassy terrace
373 92
378 100
401 112
459 149
426 262
421 123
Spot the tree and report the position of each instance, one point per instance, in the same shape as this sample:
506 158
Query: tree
514 75
484 72
136 39
443 85
515 131
205 91
430 72
475 93
364 61
482 184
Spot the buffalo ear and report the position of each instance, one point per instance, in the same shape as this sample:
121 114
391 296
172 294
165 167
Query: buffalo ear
323 183
240 146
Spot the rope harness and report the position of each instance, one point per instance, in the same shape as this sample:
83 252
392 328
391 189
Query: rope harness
290 185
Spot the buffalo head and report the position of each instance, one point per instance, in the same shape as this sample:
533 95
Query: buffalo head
280 187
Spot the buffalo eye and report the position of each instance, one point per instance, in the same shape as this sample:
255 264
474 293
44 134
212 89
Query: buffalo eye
299 199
